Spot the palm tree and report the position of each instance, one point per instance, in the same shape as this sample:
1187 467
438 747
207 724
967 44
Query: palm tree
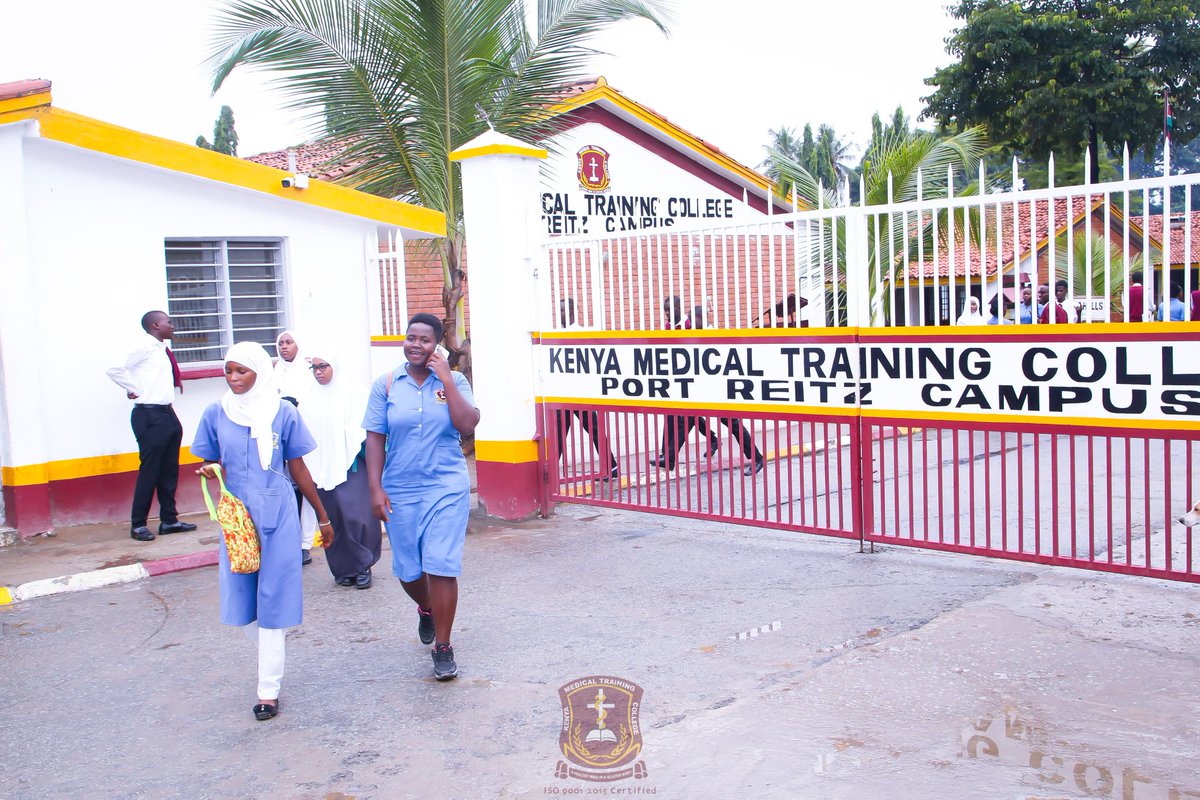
905 165
405 82
783 141
1095 261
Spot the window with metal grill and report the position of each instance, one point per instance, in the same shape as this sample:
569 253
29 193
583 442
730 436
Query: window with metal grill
224 291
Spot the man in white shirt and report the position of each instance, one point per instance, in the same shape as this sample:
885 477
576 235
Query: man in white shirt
149 377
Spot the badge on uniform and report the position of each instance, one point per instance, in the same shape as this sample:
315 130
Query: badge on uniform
440 396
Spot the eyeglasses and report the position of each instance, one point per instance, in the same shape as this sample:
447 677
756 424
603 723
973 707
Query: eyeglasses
319 367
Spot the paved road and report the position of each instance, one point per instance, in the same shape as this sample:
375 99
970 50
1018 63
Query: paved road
900 674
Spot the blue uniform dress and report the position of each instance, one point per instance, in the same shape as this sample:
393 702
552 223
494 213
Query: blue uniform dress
424 473
273 594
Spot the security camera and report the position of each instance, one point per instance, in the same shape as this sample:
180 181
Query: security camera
288 182
298 181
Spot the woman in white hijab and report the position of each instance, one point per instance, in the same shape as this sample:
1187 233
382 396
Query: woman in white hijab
260 441
291 370
971 315
333 411
293 379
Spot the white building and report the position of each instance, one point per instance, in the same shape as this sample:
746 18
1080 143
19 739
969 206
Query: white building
99 224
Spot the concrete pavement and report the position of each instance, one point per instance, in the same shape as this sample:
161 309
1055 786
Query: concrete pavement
898 674
88 556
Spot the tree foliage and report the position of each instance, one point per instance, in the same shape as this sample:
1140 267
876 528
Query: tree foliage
406 82
825 157
225 138
1058 75
904 165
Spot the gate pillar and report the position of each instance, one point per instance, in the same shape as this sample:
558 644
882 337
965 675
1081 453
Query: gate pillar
501 214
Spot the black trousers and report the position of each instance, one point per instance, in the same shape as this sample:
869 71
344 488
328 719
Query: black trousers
678 428
591 424
158 435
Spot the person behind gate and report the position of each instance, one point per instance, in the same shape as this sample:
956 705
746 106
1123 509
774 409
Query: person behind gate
150 377
678 427
592 424
418 479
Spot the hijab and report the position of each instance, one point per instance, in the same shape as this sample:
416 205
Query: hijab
971 315
256 409
294 377
333 414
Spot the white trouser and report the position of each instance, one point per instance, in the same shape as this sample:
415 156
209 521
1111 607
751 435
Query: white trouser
270 658
308 525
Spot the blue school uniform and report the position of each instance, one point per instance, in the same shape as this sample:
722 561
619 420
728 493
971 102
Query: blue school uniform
424 473
273 594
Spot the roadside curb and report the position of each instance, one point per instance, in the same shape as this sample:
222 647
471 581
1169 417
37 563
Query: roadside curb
109 576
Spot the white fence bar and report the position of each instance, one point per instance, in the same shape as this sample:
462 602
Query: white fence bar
826 267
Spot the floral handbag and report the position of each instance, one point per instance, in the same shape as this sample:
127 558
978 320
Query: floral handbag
241 538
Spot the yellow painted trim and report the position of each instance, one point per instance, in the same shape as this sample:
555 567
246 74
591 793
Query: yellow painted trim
101 137
948 415
528 151
72 468
1048 329
5 596
514 452
602 91
778 408
704 333
28 101
879 413
381 339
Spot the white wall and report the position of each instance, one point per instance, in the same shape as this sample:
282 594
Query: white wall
95 227
634 171
16 368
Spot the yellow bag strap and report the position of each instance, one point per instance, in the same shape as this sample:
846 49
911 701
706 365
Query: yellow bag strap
212 509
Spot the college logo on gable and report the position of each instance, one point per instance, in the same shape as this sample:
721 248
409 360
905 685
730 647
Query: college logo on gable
593 168
600 729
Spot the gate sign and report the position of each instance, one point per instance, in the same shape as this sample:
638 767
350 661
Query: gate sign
593 168
1154 379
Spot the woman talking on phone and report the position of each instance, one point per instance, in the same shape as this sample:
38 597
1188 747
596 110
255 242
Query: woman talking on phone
418 479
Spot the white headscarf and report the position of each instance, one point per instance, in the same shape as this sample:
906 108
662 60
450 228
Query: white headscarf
293 377
256 409
333 414
971 315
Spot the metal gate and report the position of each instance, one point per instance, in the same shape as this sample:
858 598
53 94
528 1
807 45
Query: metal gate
1059 479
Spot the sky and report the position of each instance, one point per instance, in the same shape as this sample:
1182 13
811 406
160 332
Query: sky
726 78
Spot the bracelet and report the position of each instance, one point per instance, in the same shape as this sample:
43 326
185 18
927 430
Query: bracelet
323 524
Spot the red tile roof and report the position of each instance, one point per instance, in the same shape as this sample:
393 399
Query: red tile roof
321 159
10 91
1179 235
1026 233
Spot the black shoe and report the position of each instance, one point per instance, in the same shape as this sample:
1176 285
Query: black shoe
661 462
613 474
363 581
424 625
346 581
305 557
444 667
714 444
175 527
264 711
756 467
142 534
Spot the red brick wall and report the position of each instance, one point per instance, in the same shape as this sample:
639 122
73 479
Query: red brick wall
423 286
